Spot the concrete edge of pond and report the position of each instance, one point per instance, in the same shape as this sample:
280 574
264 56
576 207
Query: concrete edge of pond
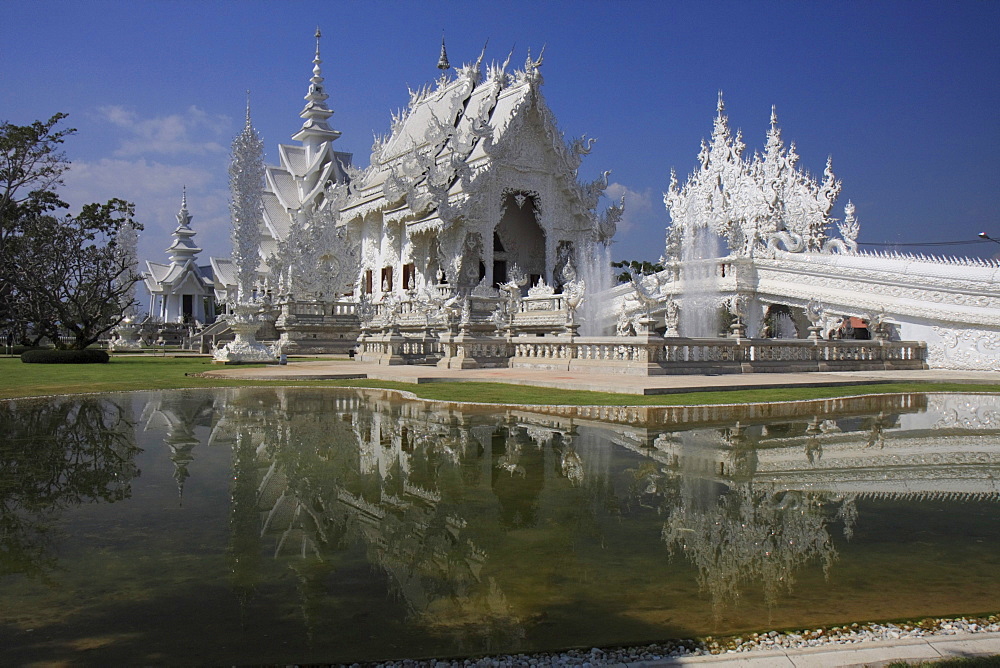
880 647
568 380
869 654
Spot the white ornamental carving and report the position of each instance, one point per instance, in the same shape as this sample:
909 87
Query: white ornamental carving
762 204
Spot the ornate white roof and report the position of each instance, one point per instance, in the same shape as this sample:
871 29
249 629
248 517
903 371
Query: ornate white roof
450 136
298 182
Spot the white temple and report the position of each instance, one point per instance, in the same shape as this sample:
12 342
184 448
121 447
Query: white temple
181 292
468 240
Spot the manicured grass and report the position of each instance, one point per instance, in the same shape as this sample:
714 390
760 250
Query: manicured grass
160 373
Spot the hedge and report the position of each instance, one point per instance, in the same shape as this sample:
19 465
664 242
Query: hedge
87 356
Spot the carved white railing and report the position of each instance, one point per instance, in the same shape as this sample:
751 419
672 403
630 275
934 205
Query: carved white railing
304 310
553 302
483 351
655 355
394 348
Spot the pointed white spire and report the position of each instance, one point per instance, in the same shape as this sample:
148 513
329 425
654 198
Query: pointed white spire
183 248
316 82
183 217
246 184
316 128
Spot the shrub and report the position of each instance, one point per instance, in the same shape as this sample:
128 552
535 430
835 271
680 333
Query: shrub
86 356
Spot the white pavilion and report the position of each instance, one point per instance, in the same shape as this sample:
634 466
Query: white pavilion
181 292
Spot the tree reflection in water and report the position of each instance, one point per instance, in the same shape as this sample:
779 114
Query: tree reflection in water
87 455
319 475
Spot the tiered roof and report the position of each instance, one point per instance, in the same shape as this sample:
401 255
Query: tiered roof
183 252
449 135
299 181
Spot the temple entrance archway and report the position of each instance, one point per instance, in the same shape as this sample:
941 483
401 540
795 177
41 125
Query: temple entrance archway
518 238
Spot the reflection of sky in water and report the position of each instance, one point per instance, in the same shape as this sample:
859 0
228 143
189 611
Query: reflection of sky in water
279 525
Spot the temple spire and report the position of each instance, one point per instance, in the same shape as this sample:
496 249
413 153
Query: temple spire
316 129
183 217
183 249
316 82
443 63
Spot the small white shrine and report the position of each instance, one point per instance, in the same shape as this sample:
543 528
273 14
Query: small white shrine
181 292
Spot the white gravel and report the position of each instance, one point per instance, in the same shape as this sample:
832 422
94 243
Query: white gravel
768 640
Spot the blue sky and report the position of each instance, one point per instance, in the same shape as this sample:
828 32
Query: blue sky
903 95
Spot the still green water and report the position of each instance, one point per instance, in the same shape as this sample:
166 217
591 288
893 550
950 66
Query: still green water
272 525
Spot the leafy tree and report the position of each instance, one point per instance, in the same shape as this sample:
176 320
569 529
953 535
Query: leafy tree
31 168
57 272
643 267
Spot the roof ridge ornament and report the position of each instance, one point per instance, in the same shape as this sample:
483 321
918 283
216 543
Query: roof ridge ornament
531 65
443 63
183 216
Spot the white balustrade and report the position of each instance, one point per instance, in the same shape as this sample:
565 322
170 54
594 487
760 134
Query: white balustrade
677 355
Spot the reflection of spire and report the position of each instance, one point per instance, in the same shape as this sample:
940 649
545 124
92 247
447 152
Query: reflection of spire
244 543
181 454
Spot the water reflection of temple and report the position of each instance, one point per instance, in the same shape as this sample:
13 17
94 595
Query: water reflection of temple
429 493
769 492
177 415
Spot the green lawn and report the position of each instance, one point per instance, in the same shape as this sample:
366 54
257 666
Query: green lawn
159 373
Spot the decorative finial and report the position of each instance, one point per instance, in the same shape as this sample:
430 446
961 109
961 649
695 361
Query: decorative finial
318 35
774 117
183 217
248 107
720 106
443 63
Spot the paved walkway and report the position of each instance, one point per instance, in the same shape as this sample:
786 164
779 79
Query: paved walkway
879 653
567 380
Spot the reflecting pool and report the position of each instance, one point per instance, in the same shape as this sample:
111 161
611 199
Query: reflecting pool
280 525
